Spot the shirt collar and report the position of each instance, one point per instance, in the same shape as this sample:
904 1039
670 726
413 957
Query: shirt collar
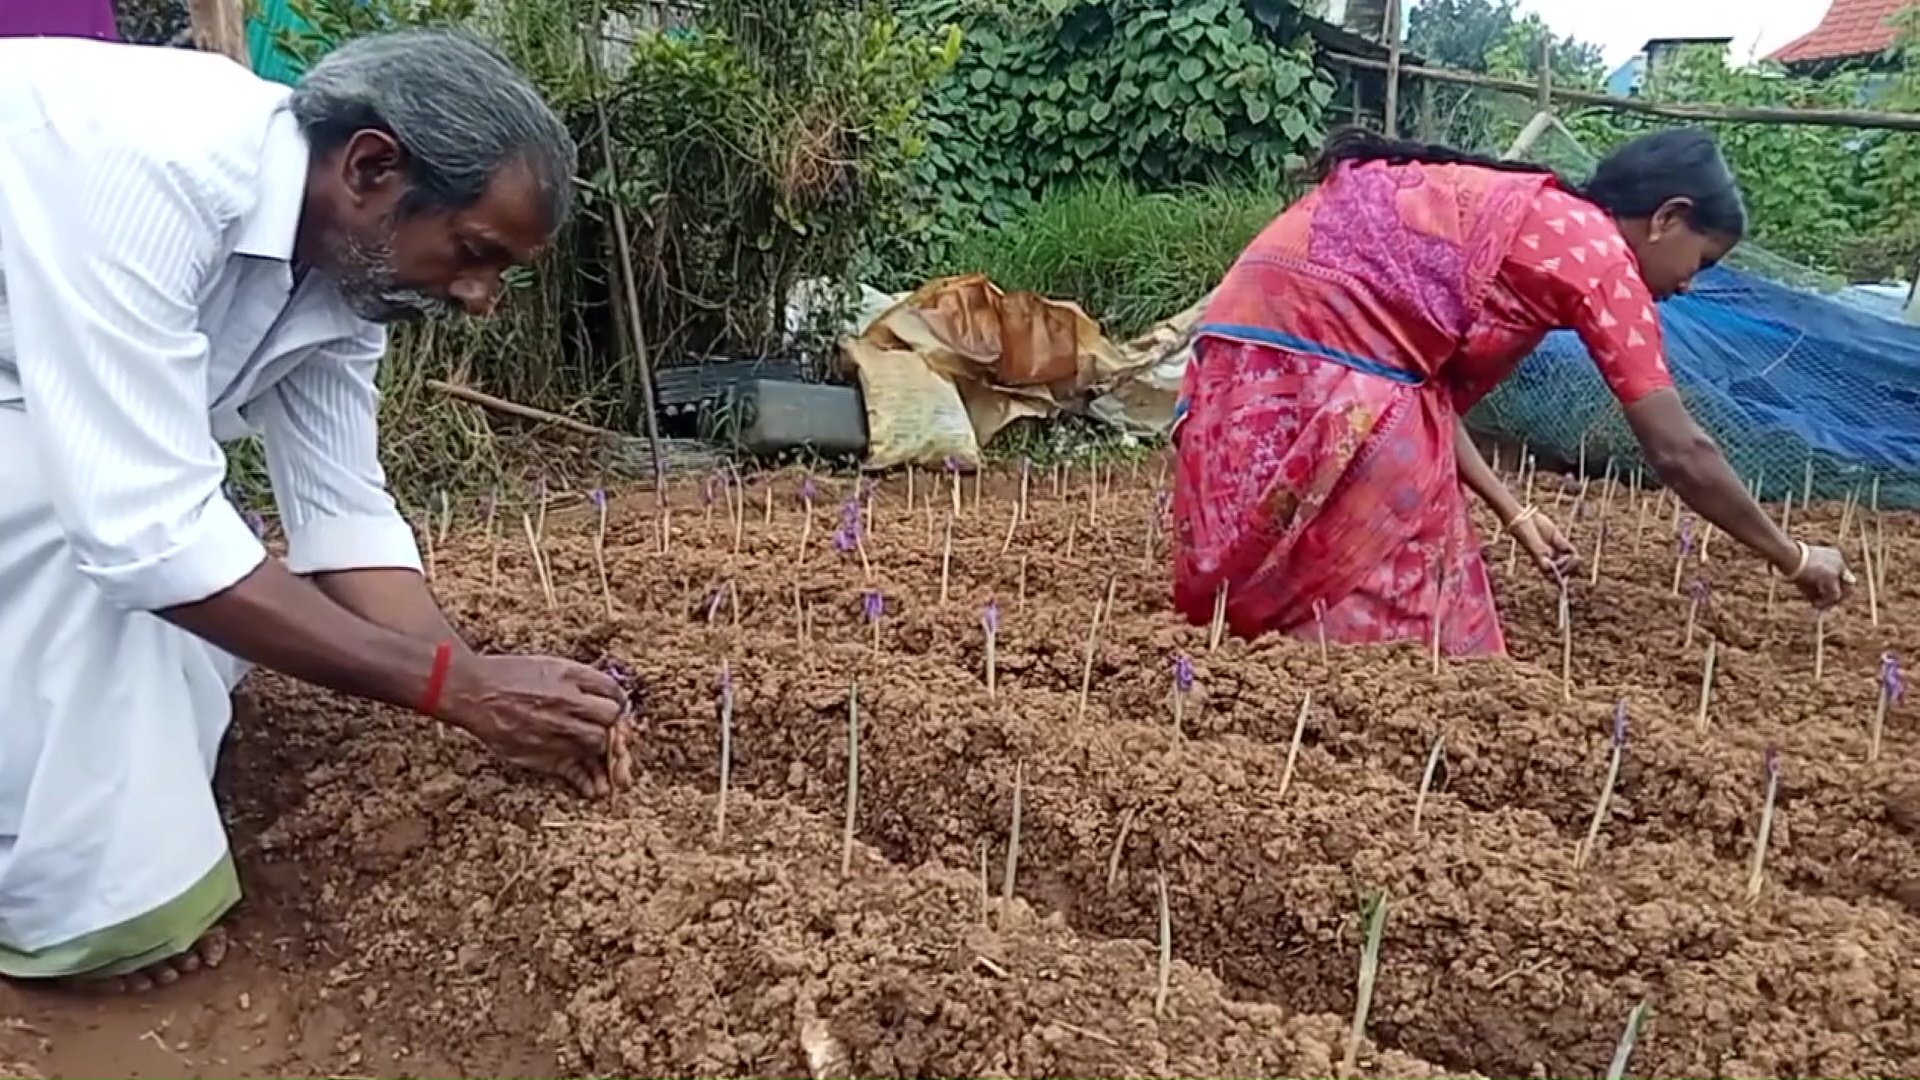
267 230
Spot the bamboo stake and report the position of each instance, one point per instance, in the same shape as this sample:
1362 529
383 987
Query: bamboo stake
946 561
726 752
493 542
1166 947
1219 628
1010 872
1426 779
1757 866
1433 635
1866 570
1706 685
1566 644
539 561
853 778
990 627
1293 747
1584 853
1846 509
1093 641
1119 846
1819 646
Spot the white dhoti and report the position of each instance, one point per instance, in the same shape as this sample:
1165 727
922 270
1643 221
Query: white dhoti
112 852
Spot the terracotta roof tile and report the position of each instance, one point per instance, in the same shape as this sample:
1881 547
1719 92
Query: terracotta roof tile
1850 28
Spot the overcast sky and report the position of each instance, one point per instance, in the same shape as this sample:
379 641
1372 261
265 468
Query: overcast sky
1621 26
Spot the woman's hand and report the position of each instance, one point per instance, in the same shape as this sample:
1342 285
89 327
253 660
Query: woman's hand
1823 578
1545 544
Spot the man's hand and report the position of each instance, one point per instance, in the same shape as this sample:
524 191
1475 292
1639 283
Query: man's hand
553 716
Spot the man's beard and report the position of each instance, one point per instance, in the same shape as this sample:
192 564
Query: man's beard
364 273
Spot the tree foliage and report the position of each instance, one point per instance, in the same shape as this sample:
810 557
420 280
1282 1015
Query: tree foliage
1159 93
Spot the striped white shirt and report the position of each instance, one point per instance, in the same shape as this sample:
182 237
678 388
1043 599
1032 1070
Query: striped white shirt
148 203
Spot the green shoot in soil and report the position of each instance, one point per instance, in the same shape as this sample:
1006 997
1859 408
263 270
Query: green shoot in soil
1374 919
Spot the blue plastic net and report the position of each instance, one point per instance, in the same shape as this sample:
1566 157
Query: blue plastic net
1790 383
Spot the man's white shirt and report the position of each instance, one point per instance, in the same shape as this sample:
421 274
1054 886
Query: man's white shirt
149 199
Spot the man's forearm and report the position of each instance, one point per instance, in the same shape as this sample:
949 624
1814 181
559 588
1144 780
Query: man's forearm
274 619
398 600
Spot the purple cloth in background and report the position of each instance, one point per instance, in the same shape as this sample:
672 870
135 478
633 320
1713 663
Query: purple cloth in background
58 18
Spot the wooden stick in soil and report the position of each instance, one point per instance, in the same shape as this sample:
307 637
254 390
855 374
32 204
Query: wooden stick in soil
766 505
1165 977
1889 686
1374 921
953 474
1293 747
1706 685
1433 640
946 560
1757 864
910 472
1119 846
1426 780
1819 646
1866 570
853 778
1009 874
1846 510
1584 852
1218 629
539 563
990 629
726 752
1773 572
1013 526
600 550
1566 644
1093 642
493 541
1623 1050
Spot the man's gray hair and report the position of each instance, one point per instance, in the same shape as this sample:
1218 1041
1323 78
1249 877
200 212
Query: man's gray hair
457 108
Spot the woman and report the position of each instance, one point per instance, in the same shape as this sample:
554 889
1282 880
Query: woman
1321 450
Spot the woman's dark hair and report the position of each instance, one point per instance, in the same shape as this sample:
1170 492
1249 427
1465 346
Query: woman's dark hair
1634 181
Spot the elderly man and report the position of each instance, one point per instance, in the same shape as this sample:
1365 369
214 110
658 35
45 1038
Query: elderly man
187 254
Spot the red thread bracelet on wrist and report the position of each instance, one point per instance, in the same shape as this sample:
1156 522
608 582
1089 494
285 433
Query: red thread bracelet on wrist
437 678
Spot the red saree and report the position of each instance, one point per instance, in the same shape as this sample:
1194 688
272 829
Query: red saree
1317 480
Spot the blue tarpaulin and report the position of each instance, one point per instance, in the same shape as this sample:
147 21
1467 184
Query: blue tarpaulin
1781 377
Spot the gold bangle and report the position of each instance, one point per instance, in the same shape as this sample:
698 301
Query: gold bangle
1526 513
1806 555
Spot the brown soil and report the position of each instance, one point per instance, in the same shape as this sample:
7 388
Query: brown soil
415 910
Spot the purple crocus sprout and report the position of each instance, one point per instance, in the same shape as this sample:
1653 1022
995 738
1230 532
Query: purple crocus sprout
809 491
953 464
1700 591
1620 725
1182 674
1686 537
1891 682
872 605
1770 765
598 498
990 618
847 536
618 671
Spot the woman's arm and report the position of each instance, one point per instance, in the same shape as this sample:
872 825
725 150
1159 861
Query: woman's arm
1479 476
1687 461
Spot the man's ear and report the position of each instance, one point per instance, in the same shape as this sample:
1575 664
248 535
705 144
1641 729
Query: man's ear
370 166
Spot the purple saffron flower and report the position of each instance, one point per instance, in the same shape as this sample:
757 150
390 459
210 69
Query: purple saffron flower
1770 764
1620 725
847 536
1890 678
1700 591
990 618
952 463
620 672
873 605
1182 674
1686 537
809 491
598 498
